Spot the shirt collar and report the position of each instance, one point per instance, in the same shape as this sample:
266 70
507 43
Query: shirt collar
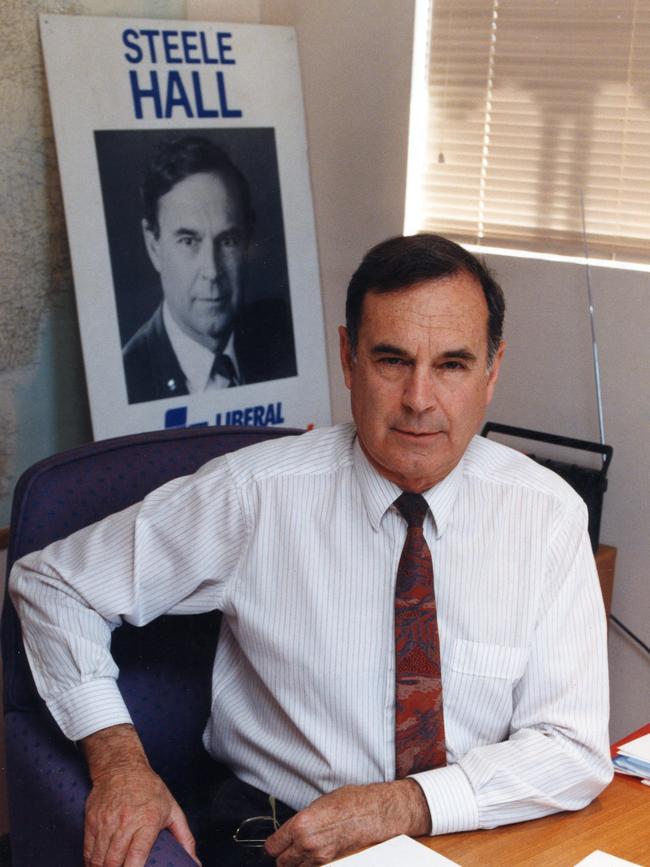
379 493
442 497
195 360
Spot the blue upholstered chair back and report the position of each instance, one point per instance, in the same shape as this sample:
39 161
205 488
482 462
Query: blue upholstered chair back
165 667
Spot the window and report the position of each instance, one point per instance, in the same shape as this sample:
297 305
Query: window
533 109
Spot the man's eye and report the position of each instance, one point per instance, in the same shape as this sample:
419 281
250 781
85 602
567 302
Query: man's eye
454 365
188 241
392 361
230 242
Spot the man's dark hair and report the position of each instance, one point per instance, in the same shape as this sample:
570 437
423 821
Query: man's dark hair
404 261
175 160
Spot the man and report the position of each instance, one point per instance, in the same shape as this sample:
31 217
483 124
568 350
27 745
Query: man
299 543
197 227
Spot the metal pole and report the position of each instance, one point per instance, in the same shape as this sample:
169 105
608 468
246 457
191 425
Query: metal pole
594 346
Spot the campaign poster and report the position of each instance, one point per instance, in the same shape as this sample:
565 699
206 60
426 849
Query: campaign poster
183 160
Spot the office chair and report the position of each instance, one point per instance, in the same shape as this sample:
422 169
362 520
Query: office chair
165 667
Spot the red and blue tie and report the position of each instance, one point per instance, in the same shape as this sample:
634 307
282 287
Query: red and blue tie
419 722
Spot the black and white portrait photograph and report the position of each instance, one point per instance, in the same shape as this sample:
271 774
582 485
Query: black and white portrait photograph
190 220
198 257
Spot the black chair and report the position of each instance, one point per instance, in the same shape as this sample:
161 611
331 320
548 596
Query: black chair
165 667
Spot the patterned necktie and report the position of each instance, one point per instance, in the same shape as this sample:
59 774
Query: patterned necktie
223 366
419 723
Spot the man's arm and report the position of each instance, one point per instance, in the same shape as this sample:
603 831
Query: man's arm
148 560
555 758
128 805
134 566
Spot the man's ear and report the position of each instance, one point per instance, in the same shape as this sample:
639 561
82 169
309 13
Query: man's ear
347 355
493 372
151 242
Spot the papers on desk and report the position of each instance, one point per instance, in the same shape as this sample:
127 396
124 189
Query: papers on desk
602 859
395 852
634 758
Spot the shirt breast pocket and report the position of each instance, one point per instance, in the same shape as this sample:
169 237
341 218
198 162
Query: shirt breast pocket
477 693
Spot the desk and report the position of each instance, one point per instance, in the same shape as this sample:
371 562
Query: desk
618 822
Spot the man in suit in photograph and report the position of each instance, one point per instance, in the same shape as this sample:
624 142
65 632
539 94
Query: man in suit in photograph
197 225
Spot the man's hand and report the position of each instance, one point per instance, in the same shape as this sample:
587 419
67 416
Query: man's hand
129 804
349 819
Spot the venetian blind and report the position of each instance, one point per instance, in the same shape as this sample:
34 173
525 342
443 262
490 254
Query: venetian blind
534 106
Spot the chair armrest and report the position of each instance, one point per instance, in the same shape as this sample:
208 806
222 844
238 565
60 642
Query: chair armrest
48 785
166 850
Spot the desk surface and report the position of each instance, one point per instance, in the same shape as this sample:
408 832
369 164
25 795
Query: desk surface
618 822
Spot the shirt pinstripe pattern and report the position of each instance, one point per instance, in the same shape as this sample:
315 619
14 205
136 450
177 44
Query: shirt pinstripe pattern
297 543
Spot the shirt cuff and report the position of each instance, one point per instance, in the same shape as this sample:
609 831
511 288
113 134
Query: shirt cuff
89 707
451 799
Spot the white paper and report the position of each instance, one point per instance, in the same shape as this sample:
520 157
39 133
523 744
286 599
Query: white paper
639 748
396 852
603 859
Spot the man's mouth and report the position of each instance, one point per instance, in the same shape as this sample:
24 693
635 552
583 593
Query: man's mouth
219 301
417 434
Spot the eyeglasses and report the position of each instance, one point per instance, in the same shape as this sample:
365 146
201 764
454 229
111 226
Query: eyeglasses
254 832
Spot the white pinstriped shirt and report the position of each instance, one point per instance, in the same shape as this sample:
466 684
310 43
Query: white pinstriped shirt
296 541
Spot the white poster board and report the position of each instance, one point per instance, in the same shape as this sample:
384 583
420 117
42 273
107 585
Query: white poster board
145 105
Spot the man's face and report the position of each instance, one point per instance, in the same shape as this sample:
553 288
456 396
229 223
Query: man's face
419 379
199 253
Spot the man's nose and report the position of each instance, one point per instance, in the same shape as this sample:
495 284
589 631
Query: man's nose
419 393
210 262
